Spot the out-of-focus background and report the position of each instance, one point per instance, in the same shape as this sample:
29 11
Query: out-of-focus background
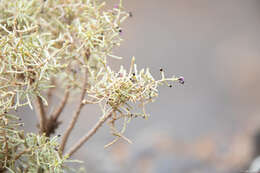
206 125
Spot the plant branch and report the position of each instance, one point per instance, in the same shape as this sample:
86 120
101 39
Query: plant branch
53 122
50 91
41 114
55 115
75 116
94 129
21 153
6 146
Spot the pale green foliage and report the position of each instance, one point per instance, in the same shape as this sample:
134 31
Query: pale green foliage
39 38
26 153
62 40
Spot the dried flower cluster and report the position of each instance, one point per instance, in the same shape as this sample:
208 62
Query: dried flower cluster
121 91
65 44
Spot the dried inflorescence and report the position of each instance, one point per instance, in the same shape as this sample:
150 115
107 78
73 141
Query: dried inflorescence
121 91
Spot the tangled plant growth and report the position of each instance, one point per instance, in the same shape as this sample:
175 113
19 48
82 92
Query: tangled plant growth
49 43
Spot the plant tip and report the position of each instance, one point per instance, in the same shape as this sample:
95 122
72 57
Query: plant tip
130 14
181 80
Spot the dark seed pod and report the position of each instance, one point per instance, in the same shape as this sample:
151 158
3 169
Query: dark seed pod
181 80
130 14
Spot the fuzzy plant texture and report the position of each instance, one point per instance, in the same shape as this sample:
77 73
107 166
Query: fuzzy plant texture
64 46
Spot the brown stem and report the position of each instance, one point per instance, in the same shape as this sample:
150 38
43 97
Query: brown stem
21 153
55 115
6 146
50 91
94 129
41 114
53 122
75 116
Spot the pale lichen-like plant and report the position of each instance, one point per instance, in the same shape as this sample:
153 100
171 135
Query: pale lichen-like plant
64 44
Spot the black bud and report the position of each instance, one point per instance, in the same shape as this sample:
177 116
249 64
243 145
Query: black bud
181 80
130 14
161 69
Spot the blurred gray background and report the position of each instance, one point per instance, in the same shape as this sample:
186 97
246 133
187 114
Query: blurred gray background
208 124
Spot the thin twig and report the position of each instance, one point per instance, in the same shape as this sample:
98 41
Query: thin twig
41 114
75 116
6 146
53 122
50 92
55 115
21 153
92 131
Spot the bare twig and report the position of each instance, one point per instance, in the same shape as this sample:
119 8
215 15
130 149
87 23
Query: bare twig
41 114
53 122
21 153
6 146
94 129
75 116
50 91
55 115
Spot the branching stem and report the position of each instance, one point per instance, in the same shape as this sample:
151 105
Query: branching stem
21 153
92 131
75 116
50 91
53 122
55 115
41 114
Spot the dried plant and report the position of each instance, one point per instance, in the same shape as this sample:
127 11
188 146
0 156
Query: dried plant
63 43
